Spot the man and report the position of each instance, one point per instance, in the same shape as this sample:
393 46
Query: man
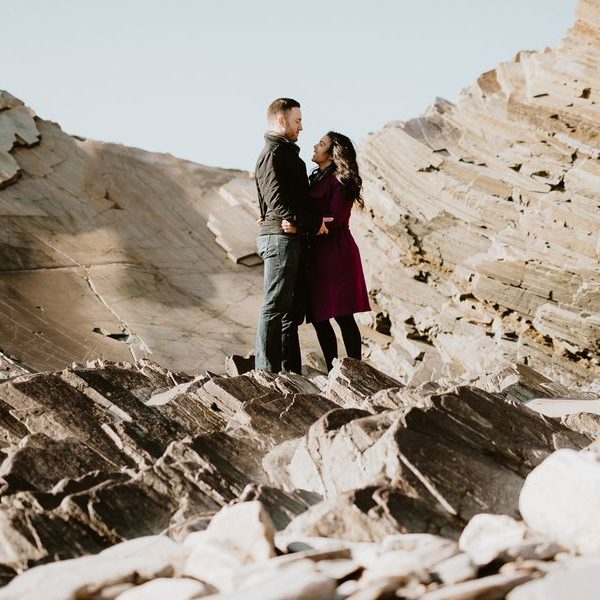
282 186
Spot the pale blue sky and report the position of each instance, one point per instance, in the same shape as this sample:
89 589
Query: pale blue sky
194 77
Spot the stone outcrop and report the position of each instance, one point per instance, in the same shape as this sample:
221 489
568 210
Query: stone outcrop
481 234
99 456
105 251
466 466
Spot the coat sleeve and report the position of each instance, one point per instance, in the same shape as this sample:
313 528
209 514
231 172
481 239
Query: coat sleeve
261 202
338 207
309 221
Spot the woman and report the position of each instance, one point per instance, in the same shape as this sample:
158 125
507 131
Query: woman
336 284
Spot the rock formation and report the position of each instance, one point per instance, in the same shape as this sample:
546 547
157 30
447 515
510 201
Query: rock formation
99 456
105 251
483 224
480 238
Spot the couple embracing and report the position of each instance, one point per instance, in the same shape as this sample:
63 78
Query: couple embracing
312 266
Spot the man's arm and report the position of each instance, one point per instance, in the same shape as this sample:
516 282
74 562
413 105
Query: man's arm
291 228
275 187
261 203
309 221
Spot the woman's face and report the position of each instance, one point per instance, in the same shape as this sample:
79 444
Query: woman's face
322 150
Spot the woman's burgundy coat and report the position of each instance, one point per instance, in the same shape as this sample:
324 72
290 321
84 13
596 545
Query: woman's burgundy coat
336 284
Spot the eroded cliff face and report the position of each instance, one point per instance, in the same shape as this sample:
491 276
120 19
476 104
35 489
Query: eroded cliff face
105 251
482 232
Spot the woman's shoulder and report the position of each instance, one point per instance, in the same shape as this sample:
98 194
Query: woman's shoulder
329 184
326 184
335 186
332 180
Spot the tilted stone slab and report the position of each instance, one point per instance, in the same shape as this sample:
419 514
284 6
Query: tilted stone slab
469 452
17 127
31 531
46 403
145 428
371 514
352 381
9 169
12 430
27 466
273 418
229 393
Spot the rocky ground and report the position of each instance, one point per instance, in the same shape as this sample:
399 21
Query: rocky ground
113 251
157 484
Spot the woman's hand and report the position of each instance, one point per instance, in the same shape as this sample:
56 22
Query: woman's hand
288 227
323 230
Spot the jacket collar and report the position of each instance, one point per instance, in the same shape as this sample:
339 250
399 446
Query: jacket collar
316 175
276 139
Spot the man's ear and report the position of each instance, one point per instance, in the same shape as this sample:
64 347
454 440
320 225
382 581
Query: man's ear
281 121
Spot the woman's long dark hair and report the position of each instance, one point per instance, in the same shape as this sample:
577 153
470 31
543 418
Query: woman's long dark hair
344 158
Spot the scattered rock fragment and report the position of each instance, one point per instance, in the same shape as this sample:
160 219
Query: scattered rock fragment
561 500
173 589
238 535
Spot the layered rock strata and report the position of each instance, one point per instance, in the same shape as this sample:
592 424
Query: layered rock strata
482 230
89 450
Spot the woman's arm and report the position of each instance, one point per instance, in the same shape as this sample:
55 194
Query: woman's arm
338 206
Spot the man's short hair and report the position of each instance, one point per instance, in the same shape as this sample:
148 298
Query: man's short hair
279 106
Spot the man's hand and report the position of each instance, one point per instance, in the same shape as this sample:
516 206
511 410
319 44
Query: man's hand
288 227
323 230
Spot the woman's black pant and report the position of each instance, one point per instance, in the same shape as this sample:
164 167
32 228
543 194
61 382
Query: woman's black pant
328 342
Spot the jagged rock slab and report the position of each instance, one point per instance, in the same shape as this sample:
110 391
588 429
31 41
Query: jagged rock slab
520 383
370 515
26 466
230 393
89 451
230 226
279 418
282 506
47 403
9 367
34 530
353 381
586 423
479 449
